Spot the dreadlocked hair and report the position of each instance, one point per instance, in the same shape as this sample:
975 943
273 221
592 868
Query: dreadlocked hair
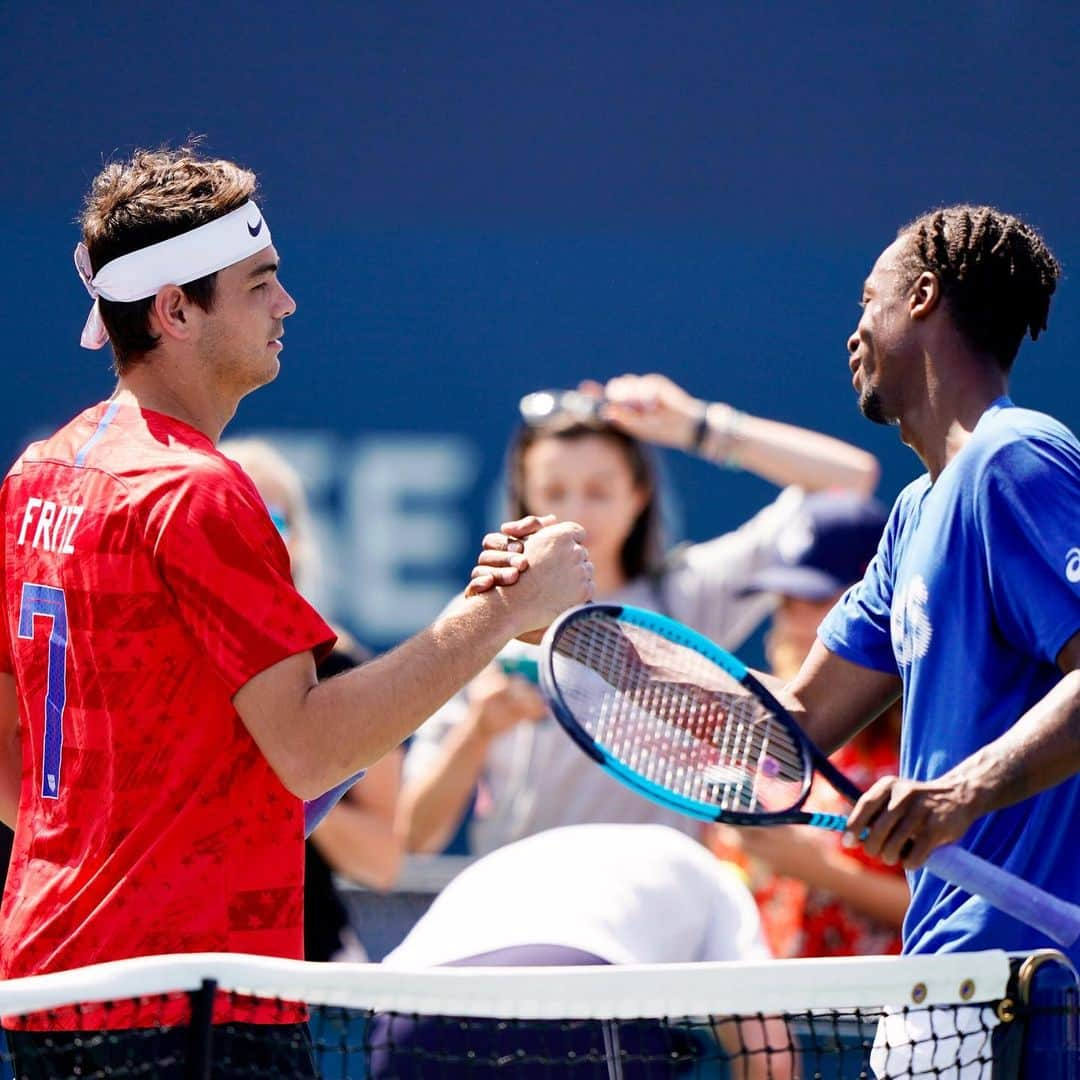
995 271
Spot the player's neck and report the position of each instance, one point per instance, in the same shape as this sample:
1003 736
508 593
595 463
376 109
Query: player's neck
938 425
156 387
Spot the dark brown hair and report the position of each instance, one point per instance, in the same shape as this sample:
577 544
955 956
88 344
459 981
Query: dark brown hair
996 274
643 549
155 196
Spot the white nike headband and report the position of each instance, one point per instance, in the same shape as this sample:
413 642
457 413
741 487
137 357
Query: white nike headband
176 261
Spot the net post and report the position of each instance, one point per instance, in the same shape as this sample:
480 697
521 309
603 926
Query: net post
1047 990
201 1031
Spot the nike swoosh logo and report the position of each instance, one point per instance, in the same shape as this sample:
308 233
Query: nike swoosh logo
255 229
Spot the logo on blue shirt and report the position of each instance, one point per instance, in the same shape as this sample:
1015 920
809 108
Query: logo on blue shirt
1072 565
909 622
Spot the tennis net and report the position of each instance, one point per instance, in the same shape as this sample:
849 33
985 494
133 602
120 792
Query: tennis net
968 1016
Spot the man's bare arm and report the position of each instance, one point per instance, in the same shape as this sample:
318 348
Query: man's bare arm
315 735
1041 749
833 699
906 820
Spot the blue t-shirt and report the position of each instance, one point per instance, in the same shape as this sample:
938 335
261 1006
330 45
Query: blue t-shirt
974 591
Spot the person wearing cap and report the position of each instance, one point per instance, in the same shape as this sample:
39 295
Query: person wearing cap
816 897
162 729
825 549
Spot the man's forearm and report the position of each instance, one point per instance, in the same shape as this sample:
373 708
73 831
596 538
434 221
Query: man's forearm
359 716
1040 750
832 699
315 734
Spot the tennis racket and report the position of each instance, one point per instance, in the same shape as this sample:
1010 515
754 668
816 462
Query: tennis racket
684 723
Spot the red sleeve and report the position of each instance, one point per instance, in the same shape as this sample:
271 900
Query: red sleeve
224 562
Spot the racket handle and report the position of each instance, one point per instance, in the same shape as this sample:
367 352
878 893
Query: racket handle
1056 918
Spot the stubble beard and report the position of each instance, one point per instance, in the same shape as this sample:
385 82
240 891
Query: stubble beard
870 405
240 369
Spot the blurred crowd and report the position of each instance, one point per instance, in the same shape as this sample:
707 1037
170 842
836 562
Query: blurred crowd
492 769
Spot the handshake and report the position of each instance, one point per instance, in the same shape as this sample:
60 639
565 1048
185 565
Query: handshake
537 568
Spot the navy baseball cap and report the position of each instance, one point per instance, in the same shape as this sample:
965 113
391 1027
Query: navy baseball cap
825 548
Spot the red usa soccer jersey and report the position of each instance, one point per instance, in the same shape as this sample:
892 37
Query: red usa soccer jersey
144 585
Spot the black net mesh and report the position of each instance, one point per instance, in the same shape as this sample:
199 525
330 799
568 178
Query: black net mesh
211 1031
337 1042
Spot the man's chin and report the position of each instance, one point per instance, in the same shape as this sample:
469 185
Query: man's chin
273 365
265 374
871 407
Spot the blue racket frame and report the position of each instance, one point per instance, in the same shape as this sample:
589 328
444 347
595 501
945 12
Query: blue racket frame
1057 918
679 634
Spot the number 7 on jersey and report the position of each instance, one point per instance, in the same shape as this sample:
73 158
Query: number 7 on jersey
49 602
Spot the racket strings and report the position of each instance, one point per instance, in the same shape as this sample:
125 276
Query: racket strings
677 718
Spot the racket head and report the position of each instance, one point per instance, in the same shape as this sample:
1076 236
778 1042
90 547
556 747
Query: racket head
674 716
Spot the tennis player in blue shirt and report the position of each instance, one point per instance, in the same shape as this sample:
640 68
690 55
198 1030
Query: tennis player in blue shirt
971 608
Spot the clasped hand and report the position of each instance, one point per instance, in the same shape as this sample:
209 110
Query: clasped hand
903 821
556 551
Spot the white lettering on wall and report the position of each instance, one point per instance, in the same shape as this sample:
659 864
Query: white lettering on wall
389 525
404 513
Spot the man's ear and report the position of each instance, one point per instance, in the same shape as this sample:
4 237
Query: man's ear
170 313
924 295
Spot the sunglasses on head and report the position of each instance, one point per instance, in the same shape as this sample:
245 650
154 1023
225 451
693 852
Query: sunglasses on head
545 406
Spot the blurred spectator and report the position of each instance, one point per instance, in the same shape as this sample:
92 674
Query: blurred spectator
816 897
496 738
583 895
356 837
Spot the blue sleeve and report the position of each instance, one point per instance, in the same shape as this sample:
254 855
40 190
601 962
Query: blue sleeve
1029 518
858 627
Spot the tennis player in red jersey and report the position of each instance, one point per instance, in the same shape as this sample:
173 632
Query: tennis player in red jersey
160 719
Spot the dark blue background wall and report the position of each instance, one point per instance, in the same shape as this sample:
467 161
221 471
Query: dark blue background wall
476 200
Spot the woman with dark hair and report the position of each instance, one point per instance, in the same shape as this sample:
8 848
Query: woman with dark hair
494 739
